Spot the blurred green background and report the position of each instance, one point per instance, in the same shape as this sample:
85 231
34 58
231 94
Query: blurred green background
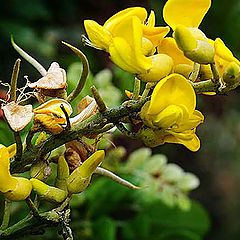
39 26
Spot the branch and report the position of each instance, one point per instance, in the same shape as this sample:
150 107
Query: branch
95 123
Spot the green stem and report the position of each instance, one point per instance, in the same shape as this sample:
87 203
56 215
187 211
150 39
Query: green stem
136 89
31 224
194 74
101 105
32 207
147 89
28 58
18 141
84 74
215 73
7 213
14 78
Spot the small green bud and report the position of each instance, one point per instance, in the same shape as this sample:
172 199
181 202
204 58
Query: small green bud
231 72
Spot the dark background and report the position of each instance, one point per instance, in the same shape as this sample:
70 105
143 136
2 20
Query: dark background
38 26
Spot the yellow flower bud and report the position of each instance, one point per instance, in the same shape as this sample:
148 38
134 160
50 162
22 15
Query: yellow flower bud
62 174
162 65
81 176
21 191
194 45
51 194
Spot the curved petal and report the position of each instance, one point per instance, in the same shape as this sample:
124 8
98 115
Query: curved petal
185 12
169 46
172 90
126 48
155 34
53 107
170 116
223 52
192 144
97 34
117 18
151 19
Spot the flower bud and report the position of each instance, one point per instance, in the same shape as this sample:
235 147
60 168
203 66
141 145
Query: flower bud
62 174
162 65
193 45
51 194
81 176
21 191
231 72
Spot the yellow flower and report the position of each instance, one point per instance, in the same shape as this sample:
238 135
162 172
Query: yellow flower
127 39
13 188
171 112
184 17
224 58
50 116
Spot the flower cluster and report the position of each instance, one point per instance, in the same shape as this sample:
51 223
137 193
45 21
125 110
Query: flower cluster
136 45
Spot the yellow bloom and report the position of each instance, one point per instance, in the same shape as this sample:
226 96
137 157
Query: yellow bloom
127 38
13 188
172 110
50 116
223 57
184 17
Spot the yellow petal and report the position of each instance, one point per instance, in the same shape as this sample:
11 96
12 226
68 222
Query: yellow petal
155 34
116 19
12 149
172 90
126 49
21 191
192 144
223 56
97 34
151 19
170 116
194 120
53 107
162 66
223 52
168 46
7 182
185 12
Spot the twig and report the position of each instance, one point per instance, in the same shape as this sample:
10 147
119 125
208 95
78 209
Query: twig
14 78
6 216
215 73
101 105
84 74
194 74
32 207
125 131
18 141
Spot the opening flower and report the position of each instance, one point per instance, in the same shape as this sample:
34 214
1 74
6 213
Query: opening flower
171 112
